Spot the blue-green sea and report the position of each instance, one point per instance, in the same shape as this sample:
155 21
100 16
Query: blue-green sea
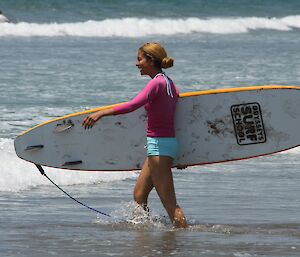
59 57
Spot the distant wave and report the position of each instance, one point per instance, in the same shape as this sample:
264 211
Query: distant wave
136 27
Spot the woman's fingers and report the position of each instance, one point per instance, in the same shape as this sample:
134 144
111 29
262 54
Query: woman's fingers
88 122
181 166
91 119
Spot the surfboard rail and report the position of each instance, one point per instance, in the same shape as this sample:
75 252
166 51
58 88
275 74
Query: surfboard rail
237 89
188 94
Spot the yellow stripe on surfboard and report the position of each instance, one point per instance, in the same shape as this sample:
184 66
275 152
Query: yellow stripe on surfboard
237 89
197 93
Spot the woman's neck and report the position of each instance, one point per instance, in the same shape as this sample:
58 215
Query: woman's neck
154 73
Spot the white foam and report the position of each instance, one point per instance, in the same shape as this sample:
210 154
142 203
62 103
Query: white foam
138 27
17 174
3 18
295 150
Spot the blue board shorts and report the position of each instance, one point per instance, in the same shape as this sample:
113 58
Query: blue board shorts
162 146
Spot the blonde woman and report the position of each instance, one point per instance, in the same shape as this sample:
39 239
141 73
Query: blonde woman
159 97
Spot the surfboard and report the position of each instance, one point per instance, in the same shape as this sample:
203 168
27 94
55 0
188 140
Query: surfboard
212 126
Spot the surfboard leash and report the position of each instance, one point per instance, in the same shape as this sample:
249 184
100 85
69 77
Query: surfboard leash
40 168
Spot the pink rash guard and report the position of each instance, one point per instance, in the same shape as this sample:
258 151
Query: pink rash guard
159 98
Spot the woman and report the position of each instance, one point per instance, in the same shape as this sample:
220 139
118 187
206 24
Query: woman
159 98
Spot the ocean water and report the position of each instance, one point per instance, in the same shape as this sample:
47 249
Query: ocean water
58 57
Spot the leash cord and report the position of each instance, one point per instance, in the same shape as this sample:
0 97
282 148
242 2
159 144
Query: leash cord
40 168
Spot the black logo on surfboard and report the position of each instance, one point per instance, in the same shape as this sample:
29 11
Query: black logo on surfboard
248 124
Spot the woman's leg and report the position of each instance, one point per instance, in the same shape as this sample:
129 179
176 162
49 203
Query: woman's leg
143 186
159 167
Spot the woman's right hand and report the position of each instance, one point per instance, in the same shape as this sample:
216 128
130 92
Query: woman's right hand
181 166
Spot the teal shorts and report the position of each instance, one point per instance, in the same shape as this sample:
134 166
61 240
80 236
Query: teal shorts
162 146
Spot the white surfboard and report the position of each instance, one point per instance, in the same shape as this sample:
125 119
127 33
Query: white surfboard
211 126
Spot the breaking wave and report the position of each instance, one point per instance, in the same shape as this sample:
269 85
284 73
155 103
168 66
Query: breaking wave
137 27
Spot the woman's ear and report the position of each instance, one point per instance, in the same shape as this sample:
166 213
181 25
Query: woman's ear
152 62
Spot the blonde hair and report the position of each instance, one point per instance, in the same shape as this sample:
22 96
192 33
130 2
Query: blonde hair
157 52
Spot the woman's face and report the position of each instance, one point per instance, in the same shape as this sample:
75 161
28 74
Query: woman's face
144 64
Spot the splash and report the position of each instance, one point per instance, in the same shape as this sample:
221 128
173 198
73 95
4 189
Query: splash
131 215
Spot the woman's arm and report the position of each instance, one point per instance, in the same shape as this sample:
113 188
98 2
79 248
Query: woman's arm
147 94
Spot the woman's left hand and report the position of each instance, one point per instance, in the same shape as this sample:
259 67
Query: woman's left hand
90 120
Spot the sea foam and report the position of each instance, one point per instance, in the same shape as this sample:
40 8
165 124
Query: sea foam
17 175
139 27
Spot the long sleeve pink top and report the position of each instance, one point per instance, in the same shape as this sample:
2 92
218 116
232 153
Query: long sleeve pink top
159 97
